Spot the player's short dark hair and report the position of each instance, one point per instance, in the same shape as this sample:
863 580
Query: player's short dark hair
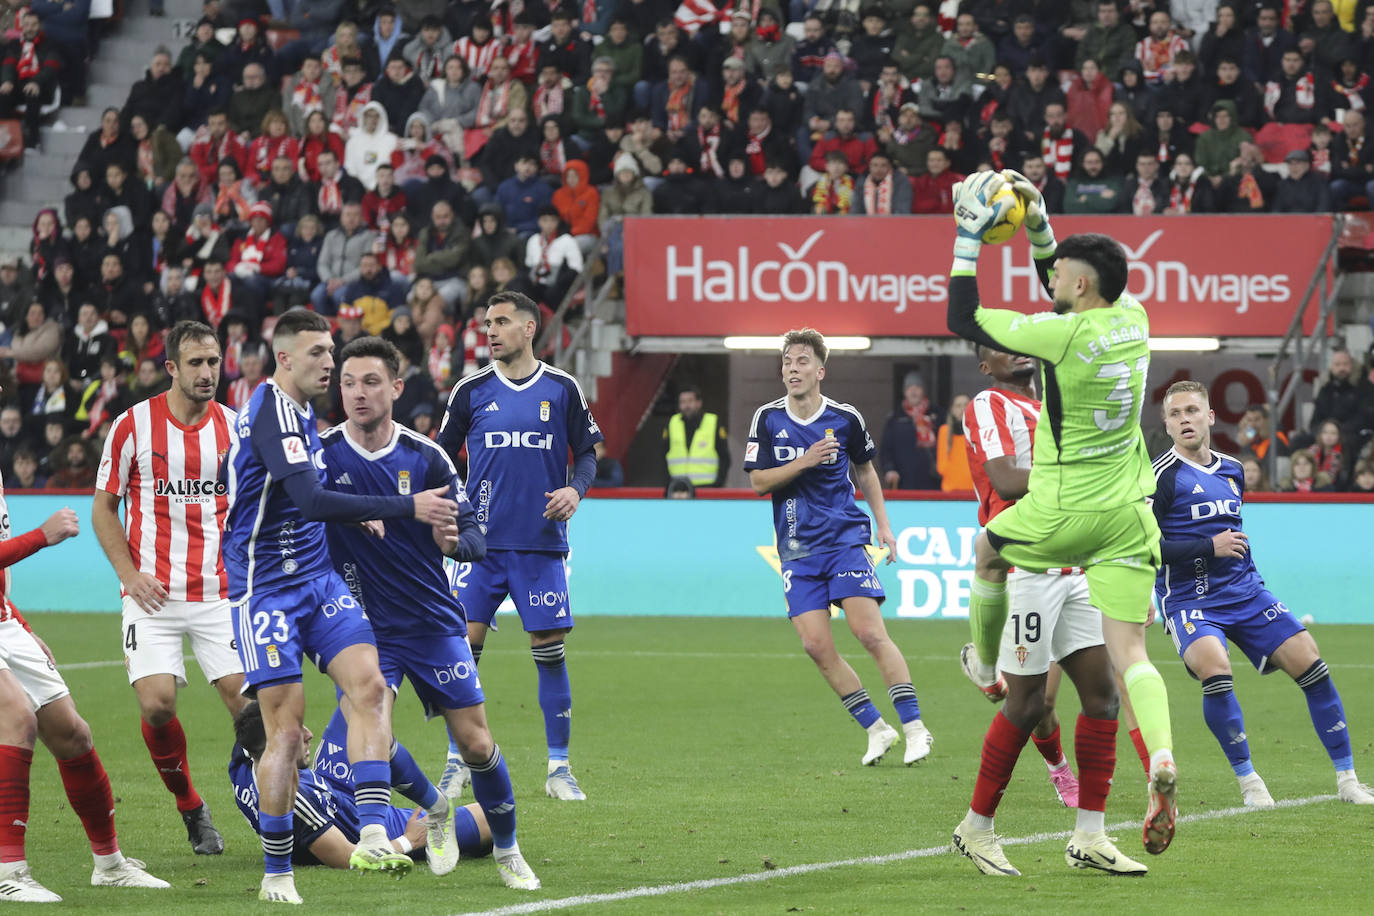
521 303
365 347
249 731
1104 255
184 331
806 337
297 320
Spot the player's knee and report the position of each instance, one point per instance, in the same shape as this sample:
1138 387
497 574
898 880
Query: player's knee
819 649
872 638
1103 703
476 746
71 737
368 693
1025 711
286 737
18 725
1315 677
158 711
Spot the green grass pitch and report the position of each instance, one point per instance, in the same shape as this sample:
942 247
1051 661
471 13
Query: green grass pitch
711 749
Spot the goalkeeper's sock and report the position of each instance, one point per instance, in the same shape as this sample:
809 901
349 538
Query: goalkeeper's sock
492 789
408 779
1150 701
987 615
1221 712
1328 714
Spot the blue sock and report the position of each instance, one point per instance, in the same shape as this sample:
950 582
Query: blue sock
452 745
1328 714
555 697
904 701
408 779
1221 711
861 707
491 787
372 791
277 842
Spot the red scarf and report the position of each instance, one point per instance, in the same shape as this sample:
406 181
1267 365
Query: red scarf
346 109
492 107
545 270
1058 153
878 196
588 12
478 57
476 347
1249 190
440 362
1143 203
145 159
523 59
214 304
307 97
886 99
266 149
754 151
920 415
679 105
710 151
729 101
1181 196
1353 94
1354 146
28 60
1321 161
253 249
1329 460
330 198
240 391
1304 93
548 101
400 257
595 102
553 158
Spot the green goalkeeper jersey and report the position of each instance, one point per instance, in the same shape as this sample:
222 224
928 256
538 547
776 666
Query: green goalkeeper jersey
1089 451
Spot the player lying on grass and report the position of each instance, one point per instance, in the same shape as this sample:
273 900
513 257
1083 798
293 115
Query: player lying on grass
326 824
1052 620
1209 592
1091 475
808 452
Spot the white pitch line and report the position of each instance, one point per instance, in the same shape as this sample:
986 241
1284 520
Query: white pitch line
114 663
659 890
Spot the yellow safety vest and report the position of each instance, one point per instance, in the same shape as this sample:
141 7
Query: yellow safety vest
698 462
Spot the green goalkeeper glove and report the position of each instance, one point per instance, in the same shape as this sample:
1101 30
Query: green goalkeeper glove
1037 221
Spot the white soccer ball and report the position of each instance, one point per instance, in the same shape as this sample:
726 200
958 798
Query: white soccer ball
1307 620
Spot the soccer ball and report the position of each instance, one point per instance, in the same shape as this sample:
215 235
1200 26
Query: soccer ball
1011 213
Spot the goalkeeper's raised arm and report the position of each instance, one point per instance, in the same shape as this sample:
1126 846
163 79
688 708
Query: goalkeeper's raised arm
1044 335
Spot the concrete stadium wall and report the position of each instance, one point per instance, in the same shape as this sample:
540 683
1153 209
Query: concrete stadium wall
715 557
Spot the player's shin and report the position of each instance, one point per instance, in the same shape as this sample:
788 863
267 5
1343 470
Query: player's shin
277 842
987 615
1094 747
492 789
408 779
1221 711
1150 702
555 698
1328 714
167 748
1001 747
372 792
15 764
88 790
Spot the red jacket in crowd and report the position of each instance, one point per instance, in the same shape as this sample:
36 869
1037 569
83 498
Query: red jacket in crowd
934 194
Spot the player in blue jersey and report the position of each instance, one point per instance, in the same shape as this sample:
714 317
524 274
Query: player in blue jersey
1209 592
288 602
519 419
326 826
808 452
401 583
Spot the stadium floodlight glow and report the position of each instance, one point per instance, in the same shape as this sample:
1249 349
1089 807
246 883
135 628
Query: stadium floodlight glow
1185 344
773 343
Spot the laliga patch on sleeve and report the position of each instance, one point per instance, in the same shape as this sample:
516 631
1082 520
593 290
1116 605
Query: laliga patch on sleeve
751 452
295 450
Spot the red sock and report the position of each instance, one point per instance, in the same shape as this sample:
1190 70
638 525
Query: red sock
1050 748
1094 747
15 763
88 791
1001 746
1141 749
167 746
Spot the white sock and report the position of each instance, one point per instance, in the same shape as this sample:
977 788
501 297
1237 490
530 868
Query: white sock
1345 776
505 852
113 860
555 764
980 821
1055 767
283 877
1090 822
440 808
9 868
373 835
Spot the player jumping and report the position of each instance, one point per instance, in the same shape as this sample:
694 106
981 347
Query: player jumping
1052 619
1091 475
162 459
327 828
805 449
288 601
401 582
1209 591
519 418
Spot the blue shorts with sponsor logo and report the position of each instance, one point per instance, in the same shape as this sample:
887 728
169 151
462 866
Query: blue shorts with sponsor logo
814 583
536 582
440 668
1257 627
315 619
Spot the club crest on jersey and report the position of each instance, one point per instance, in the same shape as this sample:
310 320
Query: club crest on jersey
273 656
403 483
1234 489
1021 654
544 411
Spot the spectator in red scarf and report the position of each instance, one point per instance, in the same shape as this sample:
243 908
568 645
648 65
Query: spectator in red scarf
28 76
333 189
318 138
883 191
500 96
274 141
213 144
674 102
1296 96
399 253
259 257
218 295
382 203
907 449
833 192
933 192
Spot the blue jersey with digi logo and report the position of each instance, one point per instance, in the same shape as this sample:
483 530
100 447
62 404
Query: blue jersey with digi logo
518 435
1196 503
398 579
316 808
816 512
268 544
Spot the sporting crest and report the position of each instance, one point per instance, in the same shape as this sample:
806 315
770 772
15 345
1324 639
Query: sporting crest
1021 654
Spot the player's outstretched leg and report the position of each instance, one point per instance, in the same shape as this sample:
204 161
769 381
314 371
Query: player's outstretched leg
17 734
555 700
987 615
813 627
1221 711
492 789
1327 712
441 852
166 743
456 774
865 620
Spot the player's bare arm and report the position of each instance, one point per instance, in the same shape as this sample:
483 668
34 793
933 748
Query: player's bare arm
866 476
1010 481
766 480
144 589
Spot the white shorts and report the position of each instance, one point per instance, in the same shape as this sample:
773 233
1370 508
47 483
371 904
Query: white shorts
21 655
153 642
1049 617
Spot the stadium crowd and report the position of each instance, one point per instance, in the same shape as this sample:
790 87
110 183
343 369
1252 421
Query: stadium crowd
393 166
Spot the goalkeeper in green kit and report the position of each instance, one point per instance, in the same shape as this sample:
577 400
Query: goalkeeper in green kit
1090 475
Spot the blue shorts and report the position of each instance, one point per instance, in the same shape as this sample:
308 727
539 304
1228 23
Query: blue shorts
440 669
1257 627
316 619
814 583
536 582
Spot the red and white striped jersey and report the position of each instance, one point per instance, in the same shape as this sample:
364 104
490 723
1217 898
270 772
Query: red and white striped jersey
174 505
478 57
997 423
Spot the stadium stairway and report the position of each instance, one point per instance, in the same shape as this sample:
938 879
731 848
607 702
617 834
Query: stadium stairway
123 56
